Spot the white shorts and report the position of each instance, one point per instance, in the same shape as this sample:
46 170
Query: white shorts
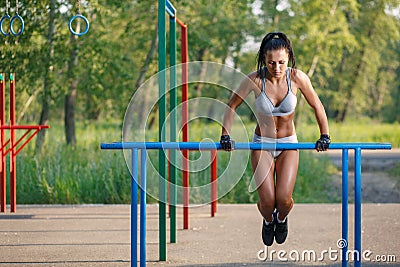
275 153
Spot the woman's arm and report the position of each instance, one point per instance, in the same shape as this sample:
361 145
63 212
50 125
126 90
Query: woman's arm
313 100
237 97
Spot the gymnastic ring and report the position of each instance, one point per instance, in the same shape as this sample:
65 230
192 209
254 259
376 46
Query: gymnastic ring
6 16
12 23
84 19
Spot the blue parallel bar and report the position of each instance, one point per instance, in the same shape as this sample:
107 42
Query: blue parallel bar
134 146
134 204
357 207
170 9
345 202
238 146
143 182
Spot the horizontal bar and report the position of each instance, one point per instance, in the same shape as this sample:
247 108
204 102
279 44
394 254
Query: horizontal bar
181 23
170 9
238 146
24 127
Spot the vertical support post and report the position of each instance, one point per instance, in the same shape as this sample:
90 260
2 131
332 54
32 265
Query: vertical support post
357 206
345 204
13 165
185 125
162 110
3 175
173 122
134 205
214 190
143 191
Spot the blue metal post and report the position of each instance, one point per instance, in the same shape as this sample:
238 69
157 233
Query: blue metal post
134 204
143 208
357 206
345 204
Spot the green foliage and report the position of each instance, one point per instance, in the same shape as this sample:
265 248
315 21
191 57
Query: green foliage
347 54
64 175
313 184
67 176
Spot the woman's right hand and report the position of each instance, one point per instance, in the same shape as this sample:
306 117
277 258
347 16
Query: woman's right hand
226 143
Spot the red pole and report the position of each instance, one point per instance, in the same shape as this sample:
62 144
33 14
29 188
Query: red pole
13 165
214 192
185 126
2 141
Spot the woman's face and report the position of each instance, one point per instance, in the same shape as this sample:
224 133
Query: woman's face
277 62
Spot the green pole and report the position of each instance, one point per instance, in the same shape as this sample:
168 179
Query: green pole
172 105
162 110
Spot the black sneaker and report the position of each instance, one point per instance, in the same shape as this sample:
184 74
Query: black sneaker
268 233
281 230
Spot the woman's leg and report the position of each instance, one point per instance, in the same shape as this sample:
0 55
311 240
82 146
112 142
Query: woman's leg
286 166
263 169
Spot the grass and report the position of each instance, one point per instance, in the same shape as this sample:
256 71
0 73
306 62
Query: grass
86 174
356 131
66 175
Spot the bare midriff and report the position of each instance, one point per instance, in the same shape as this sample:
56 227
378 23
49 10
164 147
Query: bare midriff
275 127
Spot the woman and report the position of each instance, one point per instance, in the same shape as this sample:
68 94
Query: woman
275 86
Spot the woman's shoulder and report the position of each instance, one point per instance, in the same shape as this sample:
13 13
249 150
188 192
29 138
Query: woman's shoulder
254 78
253 75
298 76
251 81
300 79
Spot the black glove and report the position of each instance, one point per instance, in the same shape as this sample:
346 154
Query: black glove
323 142
226 143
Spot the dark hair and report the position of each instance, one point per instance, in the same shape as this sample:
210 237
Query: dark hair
274 41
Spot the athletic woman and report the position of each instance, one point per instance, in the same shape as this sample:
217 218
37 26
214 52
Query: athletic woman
275 86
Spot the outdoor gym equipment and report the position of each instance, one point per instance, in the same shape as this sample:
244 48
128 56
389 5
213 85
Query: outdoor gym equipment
12 145
165 7
12 20
78 16
143 146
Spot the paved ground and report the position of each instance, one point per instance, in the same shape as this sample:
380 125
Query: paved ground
98 235
372 160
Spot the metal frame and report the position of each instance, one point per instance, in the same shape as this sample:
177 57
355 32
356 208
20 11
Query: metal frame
357 147
166 8
15 145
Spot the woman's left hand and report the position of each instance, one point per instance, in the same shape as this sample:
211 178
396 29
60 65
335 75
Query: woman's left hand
323 142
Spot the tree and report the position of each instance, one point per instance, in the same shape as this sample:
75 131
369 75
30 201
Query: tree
48 76
369 76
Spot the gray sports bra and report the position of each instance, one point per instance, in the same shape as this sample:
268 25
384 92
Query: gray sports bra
264 105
